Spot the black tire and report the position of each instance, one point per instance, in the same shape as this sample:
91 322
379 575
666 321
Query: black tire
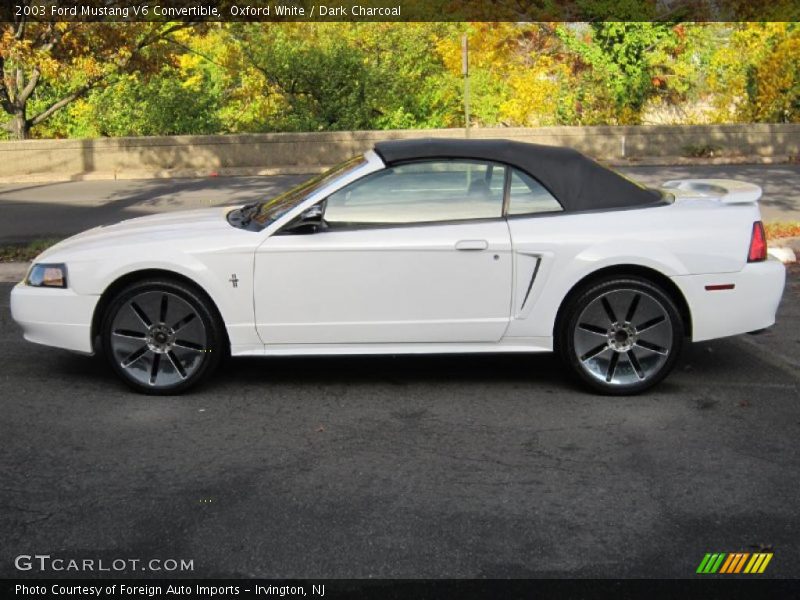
616 345
162 336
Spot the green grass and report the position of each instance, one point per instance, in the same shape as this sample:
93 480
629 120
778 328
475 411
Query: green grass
25 252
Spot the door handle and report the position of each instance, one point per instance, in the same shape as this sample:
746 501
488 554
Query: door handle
472 245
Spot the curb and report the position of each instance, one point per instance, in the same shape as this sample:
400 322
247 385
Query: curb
785 249
688 161
784 254
653 161
13 272
164 174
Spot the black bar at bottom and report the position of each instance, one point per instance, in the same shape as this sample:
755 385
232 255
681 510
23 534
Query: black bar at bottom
707 587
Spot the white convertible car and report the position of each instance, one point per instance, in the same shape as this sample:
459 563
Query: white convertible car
419 246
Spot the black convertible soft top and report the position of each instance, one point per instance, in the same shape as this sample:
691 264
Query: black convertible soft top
577 181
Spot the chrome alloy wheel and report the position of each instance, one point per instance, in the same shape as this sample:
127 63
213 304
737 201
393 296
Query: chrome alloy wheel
623 337
158 339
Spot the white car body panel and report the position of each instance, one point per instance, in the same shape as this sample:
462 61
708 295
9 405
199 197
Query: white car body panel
408 289
405 284
750 306
55 317
198 244
665 239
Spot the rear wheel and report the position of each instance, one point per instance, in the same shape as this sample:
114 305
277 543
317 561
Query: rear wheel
161 336
621 335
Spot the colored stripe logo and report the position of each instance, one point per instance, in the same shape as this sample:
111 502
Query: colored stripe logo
734 562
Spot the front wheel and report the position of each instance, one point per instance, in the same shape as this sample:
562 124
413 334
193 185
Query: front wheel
621 336
161 336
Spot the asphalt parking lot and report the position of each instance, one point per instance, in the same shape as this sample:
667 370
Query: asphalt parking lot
479 466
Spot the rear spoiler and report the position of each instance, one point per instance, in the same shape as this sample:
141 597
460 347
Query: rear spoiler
727 191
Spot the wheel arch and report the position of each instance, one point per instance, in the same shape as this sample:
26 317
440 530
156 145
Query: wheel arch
628 270
132 277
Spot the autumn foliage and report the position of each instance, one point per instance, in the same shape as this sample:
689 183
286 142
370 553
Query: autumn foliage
115 79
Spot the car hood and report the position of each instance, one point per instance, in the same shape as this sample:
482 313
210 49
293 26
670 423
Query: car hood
178 226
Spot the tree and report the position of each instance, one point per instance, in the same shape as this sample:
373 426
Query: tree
518 76
337 76
622 65
117 79
71 58
776 97
755 77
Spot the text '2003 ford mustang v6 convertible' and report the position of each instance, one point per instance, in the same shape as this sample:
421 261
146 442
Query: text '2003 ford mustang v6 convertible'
419 246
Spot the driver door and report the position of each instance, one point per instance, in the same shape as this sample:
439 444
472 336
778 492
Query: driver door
417 253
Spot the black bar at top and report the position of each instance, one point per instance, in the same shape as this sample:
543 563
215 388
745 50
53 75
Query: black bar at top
400 10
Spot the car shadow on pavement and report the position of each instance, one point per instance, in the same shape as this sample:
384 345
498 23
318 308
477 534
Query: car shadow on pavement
399 369
721 362
256 372
544 372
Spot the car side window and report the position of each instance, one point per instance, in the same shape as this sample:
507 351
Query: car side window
528 196
421 192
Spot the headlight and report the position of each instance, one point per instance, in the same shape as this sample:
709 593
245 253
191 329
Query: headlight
47 275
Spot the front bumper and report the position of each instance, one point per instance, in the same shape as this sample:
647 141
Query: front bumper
54 317
749 306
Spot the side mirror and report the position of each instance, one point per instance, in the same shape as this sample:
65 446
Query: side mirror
310 220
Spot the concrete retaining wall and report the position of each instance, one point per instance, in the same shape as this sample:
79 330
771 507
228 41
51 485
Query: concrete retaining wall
304 152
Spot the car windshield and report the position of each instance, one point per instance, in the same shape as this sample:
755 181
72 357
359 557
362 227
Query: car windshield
270 210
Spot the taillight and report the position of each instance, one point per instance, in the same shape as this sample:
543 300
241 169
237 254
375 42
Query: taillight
758 244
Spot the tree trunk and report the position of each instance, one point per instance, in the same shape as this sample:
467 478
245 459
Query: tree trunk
19 126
